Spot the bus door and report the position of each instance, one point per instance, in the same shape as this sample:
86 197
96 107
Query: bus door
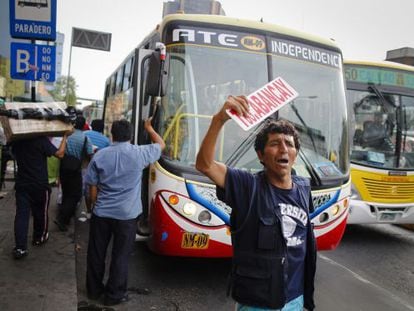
150 80
142 102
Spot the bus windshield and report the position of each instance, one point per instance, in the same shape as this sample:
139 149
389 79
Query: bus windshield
319 114
384 129
197 90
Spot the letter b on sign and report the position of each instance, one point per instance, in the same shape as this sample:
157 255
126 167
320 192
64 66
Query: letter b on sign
22 61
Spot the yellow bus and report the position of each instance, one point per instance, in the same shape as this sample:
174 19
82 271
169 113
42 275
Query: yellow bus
380 96
208 58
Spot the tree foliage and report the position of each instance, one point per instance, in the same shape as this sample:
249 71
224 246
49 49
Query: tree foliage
65 90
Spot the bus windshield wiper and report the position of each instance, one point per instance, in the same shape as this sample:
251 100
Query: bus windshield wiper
398 119
306 127
244 146
314 175
372 87
311 170
247 144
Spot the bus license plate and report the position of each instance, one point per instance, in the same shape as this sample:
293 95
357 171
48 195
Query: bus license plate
195 240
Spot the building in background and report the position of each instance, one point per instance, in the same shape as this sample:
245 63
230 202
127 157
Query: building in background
193 7
402 55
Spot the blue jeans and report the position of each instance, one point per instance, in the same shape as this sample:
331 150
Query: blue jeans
293 305
35 200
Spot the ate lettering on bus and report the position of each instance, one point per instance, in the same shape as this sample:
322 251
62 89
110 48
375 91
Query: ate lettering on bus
207 37
264 102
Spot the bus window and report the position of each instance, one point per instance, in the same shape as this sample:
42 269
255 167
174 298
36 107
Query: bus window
195 93
112 87
127 74
119 78
319 114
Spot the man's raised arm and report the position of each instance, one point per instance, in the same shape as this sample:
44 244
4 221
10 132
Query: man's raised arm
154 136
205 162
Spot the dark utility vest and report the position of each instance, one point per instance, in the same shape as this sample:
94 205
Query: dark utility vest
259 269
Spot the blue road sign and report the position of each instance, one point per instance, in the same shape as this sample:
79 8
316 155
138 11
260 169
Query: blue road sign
33 19
33 62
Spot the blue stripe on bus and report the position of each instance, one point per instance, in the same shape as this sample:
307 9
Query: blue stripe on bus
325 206
195 196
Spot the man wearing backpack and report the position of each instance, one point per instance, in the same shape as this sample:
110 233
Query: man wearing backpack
79 148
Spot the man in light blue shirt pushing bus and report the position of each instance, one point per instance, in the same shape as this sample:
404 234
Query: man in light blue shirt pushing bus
114 176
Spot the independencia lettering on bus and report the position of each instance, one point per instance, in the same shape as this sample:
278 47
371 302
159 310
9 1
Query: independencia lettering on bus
305 52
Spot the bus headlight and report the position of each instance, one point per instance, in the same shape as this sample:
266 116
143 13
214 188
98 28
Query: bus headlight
335 209
173 199
189 209
204 217
323 217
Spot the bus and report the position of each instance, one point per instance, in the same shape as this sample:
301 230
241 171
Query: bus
380 97
93 111
181 74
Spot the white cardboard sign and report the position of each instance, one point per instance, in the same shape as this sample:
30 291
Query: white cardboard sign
264 102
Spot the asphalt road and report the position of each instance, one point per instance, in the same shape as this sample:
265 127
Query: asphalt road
372 269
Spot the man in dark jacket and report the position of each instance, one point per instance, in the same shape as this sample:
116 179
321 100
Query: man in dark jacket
274 248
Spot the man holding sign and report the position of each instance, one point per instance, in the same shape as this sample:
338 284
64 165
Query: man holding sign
274 258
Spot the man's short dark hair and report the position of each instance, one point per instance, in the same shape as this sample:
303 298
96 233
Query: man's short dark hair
79 122
98 125
121 130
275 127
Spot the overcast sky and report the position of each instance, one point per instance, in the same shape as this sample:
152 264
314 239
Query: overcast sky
363 29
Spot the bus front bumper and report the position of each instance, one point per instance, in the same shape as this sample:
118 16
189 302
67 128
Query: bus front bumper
361 212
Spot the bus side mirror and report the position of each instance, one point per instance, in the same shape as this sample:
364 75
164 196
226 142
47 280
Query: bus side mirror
157 75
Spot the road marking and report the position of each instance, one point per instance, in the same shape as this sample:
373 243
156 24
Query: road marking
362 279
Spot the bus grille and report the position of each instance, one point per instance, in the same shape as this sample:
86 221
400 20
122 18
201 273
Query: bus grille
398 192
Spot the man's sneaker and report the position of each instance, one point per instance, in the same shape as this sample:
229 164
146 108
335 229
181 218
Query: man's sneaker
113 302
19 253
141 238
41 241
143 227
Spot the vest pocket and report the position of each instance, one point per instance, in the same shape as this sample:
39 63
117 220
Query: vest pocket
266 237
259 281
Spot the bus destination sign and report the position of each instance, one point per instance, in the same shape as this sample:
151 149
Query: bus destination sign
380 76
